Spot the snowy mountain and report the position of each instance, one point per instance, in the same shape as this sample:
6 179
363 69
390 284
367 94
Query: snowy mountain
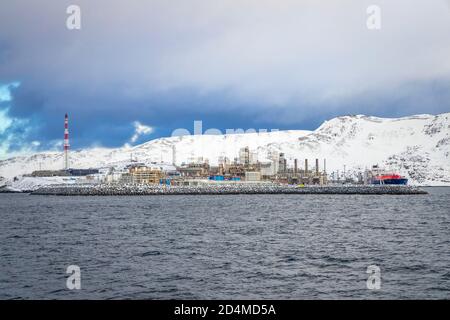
416 146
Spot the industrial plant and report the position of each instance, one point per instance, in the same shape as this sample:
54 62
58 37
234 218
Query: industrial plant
244 168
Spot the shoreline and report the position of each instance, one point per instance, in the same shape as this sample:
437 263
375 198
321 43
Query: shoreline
141 190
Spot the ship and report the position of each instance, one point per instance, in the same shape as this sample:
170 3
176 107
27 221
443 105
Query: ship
381 177
389 179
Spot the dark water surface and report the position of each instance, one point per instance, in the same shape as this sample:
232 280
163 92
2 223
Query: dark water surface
226 247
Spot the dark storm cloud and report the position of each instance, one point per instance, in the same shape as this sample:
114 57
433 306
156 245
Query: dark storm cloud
264 64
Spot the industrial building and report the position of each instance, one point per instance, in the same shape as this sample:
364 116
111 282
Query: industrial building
305 176
252 176
245 168
145 175
64 173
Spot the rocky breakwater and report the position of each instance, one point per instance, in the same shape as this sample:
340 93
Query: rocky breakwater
222 189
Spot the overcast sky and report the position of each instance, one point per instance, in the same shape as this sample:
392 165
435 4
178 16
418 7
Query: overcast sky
137 69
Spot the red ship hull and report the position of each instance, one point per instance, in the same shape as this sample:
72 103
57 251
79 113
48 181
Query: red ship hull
389 179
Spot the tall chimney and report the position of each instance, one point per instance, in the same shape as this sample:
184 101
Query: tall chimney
66 142
174 155
295 167
306 167
324 165
317 167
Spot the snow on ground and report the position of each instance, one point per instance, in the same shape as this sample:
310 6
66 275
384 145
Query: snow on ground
34 183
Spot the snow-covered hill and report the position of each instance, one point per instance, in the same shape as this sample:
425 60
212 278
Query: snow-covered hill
416 146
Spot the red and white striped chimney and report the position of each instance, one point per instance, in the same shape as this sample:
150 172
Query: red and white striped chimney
66 142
